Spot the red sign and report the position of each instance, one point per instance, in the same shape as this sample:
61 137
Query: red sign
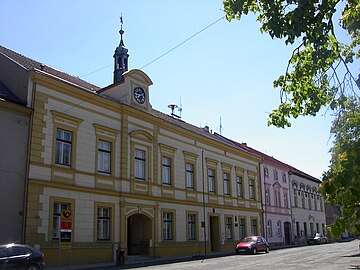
65 226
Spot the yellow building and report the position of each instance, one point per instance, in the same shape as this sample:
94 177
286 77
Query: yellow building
135 179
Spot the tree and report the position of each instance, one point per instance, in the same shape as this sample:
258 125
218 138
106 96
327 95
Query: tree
341 183
317 75
318 71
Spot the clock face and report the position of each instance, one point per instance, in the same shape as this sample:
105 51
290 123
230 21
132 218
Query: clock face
139 95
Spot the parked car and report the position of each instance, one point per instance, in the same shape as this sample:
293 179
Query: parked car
317 238
252 245
17 256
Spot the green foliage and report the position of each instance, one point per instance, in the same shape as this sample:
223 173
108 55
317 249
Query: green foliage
318 75
341 183
311 80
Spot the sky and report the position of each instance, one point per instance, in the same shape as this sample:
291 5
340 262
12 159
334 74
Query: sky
213 68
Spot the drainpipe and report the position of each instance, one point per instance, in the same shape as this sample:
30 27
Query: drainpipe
262 201
204 212
27 170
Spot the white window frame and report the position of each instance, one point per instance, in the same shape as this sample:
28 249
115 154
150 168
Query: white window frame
104 156
228 227
211 180
166 170
63 149
191 222
140 164
279 232
58 207
103 223
269 228
226 184
242 227
252 189
239 184
189 170
167 226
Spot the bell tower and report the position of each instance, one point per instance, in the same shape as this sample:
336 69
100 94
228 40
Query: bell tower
120 58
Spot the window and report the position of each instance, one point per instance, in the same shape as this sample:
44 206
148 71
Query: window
286 203
189 175
166 170
103 223
211 178
254 226
242 228
267 196
279 228
309 202
277 198
140 164
228 221
284 178
63 147
317 227
305 229
104 157
311 228
239 186
269 228
276 177
315 203
252 189
167 225
226 184
297 229
302 200
58 208
295 198
191 218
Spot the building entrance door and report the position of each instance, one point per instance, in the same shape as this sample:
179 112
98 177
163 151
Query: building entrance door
139 230
287 232
214 233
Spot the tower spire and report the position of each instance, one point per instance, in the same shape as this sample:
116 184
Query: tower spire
120 57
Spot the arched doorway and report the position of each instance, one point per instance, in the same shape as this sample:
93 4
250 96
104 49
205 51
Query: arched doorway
287 231
139 230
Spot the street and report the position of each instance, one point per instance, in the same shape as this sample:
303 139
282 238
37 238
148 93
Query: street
344 255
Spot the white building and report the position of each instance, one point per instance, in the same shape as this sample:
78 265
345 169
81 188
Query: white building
307 203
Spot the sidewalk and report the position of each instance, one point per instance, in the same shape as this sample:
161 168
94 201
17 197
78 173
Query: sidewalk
139 261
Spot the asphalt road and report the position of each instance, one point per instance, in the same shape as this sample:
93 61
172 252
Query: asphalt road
337 256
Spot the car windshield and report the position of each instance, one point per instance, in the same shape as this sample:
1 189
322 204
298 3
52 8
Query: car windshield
248 239
315 235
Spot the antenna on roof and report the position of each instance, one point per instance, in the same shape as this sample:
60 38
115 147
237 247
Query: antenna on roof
180 107
221 127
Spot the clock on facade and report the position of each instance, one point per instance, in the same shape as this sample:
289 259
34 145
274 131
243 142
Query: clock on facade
139 95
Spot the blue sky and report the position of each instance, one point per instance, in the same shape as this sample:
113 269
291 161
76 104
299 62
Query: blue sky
225 71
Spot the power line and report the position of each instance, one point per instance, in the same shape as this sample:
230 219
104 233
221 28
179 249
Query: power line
169 51
181 43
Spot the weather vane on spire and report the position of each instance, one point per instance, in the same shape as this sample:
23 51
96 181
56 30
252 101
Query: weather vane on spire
121 30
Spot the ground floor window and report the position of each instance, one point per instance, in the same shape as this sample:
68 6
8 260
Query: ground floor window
57 209
279 233
103 223
254 229
269 228
167 225
242 228
191 226
228 222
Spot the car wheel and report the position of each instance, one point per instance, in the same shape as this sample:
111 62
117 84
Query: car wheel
254 251
32 267
267 250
